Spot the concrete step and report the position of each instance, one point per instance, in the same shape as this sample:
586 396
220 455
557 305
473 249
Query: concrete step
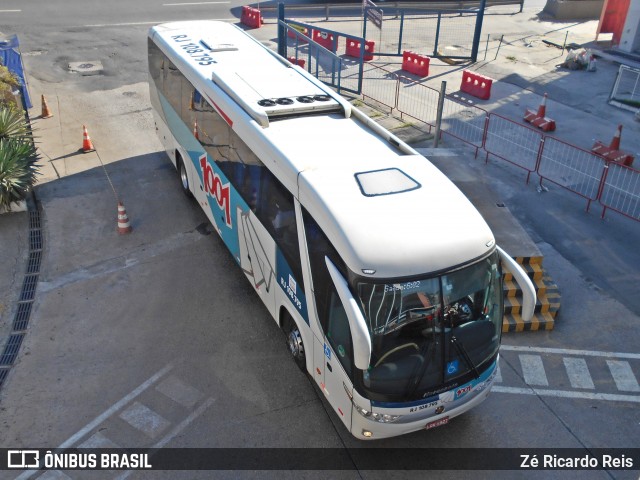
513 322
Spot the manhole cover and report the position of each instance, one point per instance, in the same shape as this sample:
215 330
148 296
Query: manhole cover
86 67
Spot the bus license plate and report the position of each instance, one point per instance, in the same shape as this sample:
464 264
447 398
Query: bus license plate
437 423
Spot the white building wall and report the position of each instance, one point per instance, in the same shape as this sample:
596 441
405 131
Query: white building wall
630 39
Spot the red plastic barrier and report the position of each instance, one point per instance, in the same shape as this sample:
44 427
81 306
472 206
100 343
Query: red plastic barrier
353 49
325 39
613 152
613 155
415 63
476 85
297 61
251 17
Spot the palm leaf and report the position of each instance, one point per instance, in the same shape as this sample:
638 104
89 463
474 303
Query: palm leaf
18 169
13 124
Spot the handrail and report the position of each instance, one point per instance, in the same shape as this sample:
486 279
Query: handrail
454 6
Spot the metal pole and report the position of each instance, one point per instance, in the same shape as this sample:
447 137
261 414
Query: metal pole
443 91
401 32
486 47
565 42
478 30
282 32
499 45
435 47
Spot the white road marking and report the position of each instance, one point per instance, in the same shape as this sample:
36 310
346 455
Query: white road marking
54 475
10 11
578 372
564 351
623 376
157 22
98 440
533 370
192 3
175 431
104 415
567 394
178 391
142 418
498 378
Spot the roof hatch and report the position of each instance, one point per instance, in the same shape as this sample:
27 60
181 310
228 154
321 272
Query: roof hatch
385 182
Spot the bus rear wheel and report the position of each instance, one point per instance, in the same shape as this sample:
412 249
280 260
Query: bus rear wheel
294 342
184 178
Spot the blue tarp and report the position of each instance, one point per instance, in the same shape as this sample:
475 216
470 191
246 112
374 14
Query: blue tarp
10 57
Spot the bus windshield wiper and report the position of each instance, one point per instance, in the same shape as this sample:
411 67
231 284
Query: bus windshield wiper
463 353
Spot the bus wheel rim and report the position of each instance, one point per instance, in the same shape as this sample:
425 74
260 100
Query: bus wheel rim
295 343
183 177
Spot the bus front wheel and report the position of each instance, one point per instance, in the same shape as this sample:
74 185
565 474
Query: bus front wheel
294 342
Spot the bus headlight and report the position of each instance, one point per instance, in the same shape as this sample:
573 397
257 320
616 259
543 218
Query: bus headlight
378 417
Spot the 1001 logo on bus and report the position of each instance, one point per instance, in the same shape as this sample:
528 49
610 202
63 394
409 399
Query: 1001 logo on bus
214 187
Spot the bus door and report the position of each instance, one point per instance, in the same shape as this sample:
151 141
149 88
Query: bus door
332 345
335 358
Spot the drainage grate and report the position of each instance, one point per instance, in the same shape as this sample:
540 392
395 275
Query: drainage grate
11 349
34 219
3 375
21 320
35 240
29 288
34 262
27 295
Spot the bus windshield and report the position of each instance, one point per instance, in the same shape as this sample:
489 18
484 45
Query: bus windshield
431 332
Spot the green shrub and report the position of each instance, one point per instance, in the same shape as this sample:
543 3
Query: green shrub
18 169
18 157
13 124
9 82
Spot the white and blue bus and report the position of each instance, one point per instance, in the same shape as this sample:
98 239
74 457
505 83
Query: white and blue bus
385 279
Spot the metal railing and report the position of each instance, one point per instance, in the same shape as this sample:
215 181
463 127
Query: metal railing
329 10
616 187
572 168
621 190
626 89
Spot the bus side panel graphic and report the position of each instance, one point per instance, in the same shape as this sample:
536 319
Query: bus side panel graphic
221 200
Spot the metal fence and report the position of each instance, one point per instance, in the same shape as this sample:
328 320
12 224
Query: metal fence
446 33
592 177
621 190
572 168
376 83
626 89
342 72
449 34
616 187
513 142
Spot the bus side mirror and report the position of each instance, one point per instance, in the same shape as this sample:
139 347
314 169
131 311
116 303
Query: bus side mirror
520 276
359 331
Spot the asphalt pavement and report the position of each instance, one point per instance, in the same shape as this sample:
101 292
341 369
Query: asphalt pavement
588 257
523 65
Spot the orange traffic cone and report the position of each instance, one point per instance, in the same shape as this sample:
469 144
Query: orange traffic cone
542 109
615 143
46 113
195 130
87 146
124 226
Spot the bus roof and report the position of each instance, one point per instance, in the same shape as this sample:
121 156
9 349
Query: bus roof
264 85
383 209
